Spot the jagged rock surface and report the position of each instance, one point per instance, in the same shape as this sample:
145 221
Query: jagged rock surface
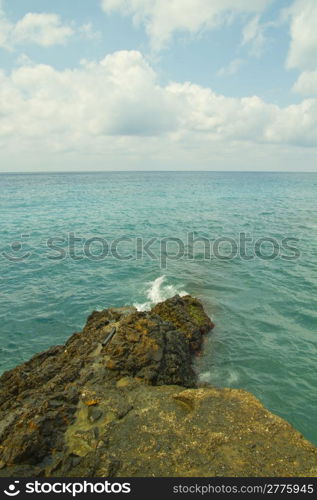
120 398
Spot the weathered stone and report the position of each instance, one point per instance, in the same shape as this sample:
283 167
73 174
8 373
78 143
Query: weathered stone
150 349
132 407
188 315
198 432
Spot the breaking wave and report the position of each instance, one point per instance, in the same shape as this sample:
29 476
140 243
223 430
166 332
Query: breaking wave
157 292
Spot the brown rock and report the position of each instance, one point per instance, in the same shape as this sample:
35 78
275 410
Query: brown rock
121 408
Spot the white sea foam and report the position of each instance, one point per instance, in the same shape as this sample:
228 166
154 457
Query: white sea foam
233 377
205 377
157 292
220 378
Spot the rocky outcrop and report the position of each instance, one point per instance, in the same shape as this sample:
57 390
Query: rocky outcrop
188 315
120 398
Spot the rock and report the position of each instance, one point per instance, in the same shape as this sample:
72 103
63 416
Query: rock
131 407
195 432
95 414
148 348
188 315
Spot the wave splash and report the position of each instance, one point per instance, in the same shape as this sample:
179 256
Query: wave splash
157 292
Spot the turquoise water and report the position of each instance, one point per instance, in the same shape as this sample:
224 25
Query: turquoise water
265 339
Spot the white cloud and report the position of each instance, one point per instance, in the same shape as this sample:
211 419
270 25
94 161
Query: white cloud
34 28
41 29
88 31
254 34
307 83
247 119
303 47
116 108
162 18
232 68
117 96
302 53
296 124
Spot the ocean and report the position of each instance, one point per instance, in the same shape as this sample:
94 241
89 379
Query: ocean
243 243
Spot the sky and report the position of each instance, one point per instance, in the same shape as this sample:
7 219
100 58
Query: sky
158 85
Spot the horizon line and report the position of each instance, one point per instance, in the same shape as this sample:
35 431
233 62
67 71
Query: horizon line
41 172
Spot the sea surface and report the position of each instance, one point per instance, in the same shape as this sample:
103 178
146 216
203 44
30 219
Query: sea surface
72 243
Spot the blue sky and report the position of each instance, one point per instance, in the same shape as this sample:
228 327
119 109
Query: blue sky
158 84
